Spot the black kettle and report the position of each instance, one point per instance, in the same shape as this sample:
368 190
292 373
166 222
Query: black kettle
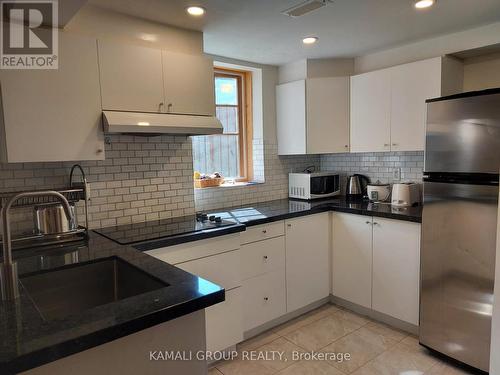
356 186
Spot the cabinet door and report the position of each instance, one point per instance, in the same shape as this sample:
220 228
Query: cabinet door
291 117
352 258
396 269
188 84
307 260
327 115
412 84
131 77
54 115
371 111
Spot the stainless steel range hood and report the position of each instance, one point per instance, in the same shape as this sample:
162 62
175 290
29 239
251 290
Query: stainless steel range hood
159 123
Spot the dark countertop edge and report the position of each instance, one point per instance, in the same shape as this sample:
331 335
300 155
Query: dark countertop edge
188 237
316 210
64 349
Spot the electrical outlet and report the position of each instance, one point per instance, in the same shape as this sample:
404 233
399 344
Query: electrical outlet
396 174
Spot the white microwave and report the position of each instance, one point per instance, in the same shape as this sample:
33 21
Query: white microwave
313 185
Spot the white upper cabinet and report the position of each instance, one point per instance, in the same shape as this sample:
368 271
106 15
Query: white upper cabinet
371 111
307 260
313 116
412 84
188 84
144 79
327 115
131 77
291 117
388 109
54 115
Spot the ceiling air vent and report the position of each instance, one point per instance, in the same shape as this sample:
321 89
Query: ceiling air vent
305 7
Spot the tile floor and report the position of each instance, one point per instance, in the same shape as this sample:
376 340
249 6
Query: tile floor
375 349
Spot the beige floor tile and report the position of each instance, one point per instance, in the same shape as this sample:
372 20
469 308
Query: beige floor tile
400 359
411 341
322 332
241 367
258 341
387 331
444 368
308 318
362 345
310 368
214 371
284 346
353 317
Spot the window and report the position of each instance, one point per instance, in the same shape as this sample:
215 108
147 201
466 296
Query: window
228 153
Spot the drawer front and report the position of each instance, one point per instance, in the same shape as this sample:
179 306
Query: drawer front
221 269
264 299
224 323
196 249
261 257
263 232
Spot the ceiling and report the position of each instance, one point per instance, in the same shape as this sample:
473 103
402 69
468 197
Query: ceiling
256 30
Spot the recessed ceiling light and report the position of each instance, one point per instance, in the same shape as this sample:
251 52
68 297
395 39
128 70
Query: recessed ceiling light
196 11
310 40
421 4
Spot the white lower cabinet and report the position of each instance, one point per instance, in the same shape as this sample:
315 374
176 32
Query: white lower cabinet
307 260
264 299
352 258
396 269
376 264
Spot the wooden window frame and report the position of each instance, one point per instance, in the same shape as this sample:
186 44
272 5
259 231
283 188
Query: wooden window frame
245 129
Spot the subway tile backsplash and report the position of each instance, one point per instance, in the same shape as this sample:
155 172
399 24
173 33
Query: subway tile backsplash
377 165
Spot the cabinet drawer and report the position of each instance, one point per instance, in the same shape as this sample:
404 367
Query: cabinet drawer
261 257
197 249
221 269
224 322
264 299
262 232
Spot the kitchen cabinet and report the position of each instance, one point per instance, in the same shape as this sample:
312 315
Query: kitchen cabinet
388 109
142 79
188 83
219 261
313 116
370 111
131 77
352 258
54 115
376 264
307 260
396 269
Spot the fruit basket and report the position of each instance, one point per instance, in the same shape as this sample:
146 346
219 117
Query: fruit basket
208 182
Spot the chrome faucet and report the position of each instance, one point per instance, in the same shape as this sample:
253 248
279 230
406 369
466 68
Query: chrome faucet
8 270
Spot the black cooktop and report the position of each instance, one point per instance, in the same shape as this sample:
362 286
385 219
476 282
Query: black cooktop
158 229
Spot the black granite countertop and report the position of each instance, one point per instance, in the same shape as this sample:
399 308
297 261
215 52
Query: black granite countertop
265 212
29 340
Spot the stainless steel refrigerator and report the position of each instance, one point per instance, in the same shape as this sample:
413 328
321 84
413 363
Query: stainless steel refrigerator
462 161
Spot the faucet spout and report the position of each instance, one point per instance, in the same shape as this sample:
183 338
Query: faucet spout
8 272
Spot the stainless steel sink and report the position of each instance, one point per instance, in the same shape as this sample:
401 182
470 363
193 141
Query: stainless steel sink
73 289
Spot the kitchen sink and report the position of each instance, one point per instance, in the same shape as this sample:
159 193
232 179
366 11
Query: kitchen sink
71 290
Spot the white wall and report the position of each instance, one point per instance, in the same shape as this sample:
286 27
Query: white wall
442 45
482 72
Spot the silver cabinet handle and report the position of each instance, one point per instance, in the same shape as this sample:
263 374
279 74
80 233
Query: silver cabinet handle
375 223
386 144
289 225
368 222
169 107
266 298
394 144
264 231
99 151
265 257
160 106
346 146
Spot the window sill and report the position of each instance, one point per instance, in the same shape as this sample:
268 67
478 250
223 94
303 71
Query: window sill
233 185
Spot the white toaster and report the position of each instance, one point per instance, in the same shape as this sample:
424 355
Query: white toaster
405 194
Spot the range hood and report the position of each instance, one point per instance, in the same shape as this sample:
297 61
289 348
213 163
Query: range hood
159 123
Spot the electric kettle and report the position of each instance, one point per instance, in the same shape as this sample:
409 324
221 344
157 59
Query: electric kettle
356 186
